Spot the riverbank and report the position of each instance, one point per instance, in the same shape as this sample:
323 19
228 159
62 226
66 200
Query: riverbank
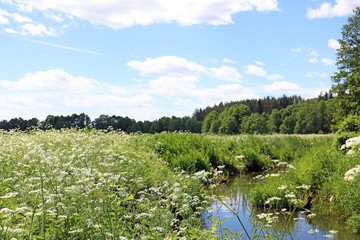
106 185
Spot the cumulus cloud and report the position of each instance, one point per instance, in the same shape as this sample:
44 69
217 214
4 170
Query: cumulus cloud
328 10
167 65
178 77
3 20
37 30
282 87
224 93
312 57
53 17
139 100
173 86
119 13
255 70
228 74
260 72
22 106
327 61
54 79
259 63
15 16
334 44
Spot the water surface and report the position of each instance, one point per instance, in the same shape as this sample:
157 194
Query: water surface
288 226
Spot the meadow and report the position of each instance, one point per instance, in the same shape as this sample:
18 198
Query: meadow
87 184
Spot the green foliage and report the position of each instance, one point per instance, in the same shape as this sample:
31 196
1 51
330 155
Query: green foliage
90 185
347 79
274 121
255 123
254 161
206 125
350 127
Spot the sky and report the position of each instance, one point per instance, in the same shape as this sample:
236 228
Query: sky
146 59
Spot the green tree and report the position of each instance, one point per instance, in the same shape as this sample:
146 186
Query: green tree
347 79
229 125
274 121
255 123
213 115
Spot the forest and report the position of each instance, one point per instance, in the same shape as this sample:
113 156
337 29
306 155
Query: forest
285 114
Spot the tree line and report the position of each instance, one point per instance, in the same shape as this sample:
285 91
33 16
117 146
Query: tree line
268 115
310 116
105 122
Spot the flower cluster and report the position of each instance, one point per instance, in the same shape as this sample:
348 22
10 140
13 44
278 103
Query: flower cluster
352 173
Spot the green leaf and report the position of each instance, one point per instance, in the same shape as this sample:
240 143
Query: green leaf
131 197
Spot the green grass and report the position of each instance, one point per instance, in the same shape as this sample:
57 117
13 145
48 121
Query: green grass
75 184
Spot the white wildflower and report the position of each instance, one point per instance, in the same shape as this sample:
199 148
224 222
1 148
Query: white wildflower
351 142
272 199
352 173
303 186
290 195
80 230
10 195
282 187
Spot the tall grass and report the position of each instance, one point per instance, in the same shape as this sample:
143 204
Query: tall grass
80 185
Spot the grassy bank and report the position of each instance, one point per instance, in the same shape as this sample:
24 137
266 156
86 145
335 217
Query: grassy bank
94 185
90 185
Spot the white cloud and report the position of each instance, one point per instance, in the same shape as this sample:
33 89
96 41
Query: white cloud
53 17
55 79
37 30
328 62
258 71
259 63
3 20
316 74
9 30
255 70
228 60
228 74
224 93
327 10
140 100
312 57
22 106
20 19
15 16
334 44
119 14
185 102
167 65
282 87
173 86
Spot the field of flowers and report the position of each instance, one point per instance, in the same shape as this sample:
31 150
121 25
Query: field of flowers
82 184
92 185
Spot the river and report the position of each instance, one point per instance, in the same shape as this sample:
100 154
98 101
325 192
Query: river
298 225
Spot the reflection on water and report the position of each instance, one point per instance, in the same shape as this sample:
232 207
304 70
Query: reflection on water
298 225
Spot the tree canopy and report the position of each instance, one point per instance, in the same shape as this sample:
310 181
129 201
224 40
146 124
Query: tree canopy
347 79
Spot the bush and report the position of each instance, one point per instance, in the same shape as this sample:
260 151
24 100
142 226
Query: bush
349 128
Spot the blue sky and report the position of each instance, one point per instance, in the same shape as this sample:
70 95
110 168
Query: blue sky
151 58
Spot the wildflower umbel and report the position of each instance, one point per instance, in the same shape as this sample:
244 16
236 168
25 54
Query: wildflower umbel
352 173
